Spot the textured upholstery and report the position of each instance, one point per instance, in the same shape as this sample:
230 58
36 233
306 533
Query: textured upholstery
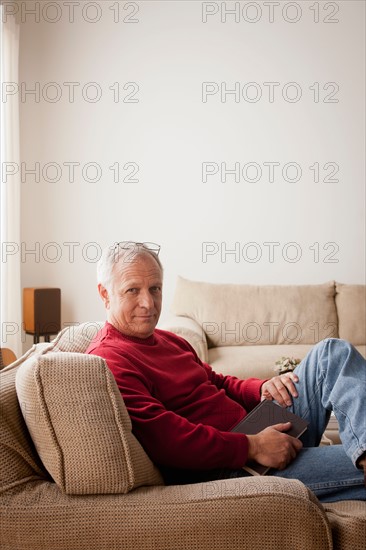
237 514
18 460
80 426
348 523
76 338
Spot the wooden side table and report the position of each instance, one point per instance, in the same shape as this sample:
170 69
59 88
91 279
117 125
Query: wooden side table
6 357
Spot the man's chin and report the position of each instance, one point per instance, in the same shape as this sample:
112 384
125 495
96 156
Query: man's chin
143 328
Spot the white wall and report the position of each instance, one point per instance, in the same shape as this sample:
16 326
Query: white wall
169 52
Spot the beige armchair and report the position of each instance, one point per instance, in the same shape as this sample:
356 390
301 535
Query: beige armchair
73 477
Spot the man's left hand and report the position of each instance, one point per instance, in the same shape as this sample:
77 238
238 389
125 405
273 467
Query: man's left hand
280 388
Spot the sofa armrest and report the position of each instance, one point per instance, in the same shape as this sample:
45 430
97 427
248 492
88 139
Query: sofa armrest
191 331
233 514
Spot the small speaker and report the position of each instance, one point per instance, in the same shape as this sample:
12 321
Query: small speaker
42 312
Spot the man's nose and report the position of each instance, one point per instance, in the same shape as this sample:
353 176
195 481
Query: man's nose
146 300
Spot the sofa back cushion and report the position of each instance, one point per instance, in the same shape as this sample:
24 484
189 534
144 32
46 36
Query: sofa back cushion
80 426
351 309
76 338
239 315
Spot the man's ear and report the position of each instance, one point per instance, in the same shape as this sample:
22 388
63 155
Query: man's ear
103 293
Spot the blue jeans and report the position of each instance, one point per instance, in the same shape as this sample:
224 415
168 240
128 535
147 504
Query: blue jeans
332 377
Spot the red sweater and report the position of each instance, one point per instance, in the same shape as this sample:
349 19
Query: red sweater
181 410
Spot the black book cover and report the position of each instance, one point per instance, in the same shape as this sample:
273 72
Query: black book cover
263 415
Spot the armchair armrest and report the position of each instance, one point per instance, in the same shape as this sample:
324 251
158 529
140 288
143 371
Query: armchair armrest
191 331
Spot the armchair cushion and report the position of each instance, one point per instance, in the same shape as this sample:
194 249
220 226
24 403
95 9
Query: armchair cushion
235 514
80 426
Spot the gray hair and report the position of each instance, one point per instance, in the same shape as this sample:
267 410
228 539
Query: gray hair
115 255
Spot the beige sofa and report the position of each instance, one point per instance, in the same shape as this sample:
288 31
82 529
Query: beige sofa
73 477
243 330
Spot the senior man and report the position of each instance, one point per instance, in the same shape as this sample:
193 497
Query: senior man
182 412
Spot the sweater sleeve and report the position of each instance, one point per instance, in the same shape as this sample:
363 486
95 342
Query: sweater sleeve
246 392
168 438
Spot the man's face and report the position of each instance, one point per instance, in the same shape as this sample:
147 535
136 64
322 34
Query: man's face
134 300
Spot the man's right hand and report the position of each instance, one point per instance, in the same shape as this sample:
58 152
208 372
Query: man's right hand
271 447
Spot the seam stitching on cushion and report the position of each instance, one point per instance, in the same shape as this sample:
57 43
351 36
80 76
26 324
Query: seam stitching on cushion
40 392
131 476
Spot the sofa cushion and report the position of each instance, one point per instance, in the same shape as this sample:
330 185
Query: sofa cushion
351 309
80 426
242 315
254 361
76 338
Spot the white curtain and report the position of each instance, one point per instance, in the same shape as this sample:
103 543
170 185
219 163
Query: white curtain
10 297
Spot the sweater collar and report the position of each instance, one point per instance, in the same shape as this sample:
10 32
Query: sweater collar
149 341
